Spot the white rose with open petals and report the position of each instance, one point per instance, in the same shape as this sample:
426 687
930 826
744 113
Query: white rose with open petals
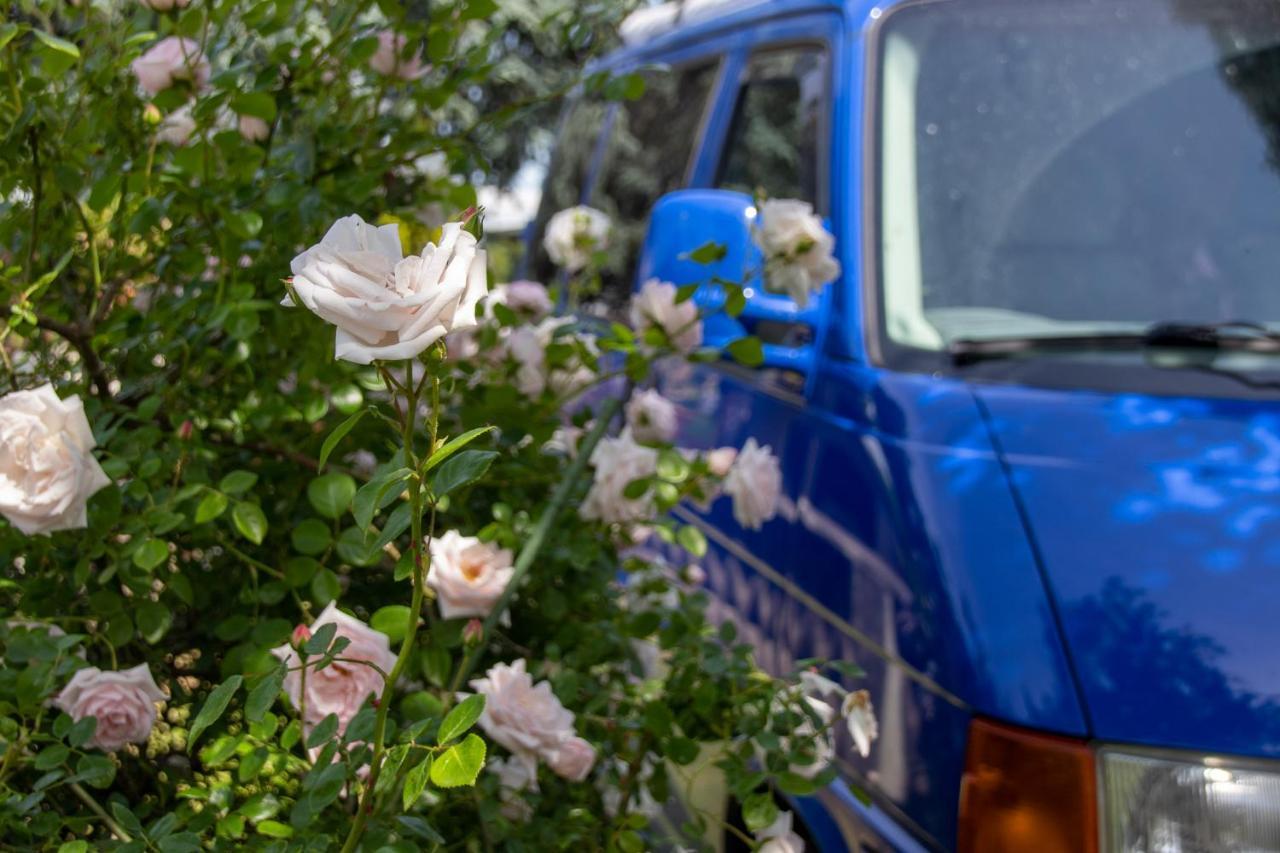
797 249
169 60
387 306
755 484
524 717
343 686
468 575
617 462
651 416
655 306
47 469
123 703
574 234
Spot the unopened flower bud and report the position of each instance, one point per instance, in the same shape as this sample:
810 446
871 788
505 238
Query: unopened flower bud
473 633
151 115
300 636
185 430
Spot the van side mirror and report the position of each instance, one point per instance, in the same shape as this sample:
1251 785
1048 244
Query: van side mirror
685 220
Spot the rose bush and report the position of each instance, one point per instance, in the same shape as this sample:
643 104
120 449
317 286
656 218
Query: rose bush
397 570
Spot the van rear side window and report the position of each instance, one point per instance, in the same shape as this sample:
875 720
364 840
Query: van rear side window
773 142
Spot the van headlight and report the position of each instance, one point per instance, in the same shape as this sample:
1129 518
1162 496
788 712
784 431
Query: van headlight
1167 802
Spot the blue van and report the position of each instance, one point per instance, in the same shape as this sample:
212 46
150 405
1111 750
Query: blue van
1031 438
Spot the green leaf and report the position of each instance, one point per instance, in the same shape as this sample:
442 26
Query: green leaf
310 537
74 847
212 505
460 764
104 190
323 732
274 829
51 756
245 224
213 708
759 811
463 469
692 540
256 104
672 466
250 522
153 621
420 828
397 523
126 818
415 781
82 731
746 351
339 432
370 498
735 302
462 717
331 494
237 482
453 445
708 253
151 553
392 620
7 32
264 693
54 43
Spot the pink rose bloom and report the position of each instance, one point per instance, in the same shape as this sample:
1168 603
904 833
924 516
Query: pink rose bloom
253 128
389 57
343 686
529 299
170 59
525 718
720 460
572 759
124 704
468 575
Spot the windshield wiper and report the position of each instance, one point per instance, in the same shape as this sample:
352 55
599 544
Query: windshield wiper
1237 336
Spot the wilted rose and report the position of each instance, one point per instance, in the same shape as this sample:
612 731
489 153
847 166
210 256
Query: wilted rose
755 484
797 249
655 306
123 703
171 59
574 235
390 57
651 416
860 717
386 306
47 469
468 575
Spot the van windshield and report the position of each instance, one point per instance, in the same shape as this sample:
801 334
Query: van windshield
1065 169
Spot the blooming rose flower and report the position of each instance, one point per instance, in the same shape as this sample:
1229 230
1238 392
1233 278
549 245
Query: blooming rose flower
651 416
468 575
124 704
755 484
386 306
574 234
514 777
529 299
525 718
389 58
720 460
797 249
655 306
168 60
176 129
572 759
253 128
778 836
861 720
527 345
343 686
165 5
617 462
47 469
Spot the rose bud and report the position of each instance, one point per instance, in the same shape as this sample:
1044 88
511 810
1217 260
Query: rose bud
185 430
300 636
473 633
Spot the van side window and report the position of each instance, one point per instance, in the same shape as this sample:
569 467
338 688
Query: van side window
567 176
773 141
648 152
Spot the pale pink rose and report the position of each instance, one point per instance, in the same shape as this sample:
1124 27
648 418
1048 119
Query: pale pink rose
176 129
165 5
468 575
124 704
651 416
528 299
343 686
253 128
525 718
389 58
47 469
572 759
720 460
755 484
527 346
171 59
617 462
655 306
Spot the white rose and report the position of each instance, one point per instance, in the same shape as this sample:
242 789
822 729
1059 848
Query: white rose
343 686
525 718
47 469
860 717
527 345
385 306
797 249
171 59
655 306
514 778
389 58
123 703
574 234
528 299
617 462
253 128
778 836
177 127
651 416
468 575
755 484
